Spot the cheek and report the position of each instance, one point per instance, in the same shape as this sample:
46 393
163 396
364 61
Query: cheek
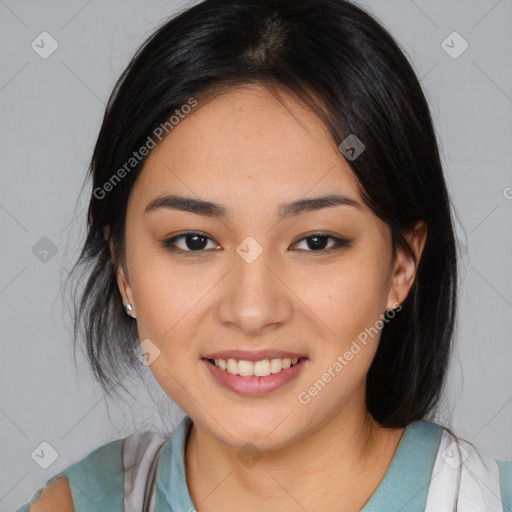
167 302
345 297
165 293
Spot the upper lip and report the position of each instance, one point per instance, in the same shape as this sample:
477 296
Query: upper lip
256 355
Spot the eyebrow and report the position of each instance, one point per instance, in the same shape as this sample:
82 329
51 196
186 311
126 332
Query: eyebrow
211 209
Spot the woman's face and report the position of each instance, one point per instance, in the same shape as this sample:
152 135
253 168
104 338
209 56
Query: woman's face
259 280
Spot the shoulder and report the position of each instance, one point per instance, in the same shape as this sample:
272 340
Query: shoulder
505 469
56 496
466 473
100 479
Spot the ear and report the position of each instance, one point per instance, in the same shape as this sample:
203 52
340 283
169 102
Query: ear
405 269
123 282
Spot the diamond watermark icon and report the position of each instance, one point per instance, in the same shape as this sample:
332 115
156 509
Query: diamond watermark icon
249 250
452 457
454 45
351 147
147 352
249 455
44 250
44 45
44 455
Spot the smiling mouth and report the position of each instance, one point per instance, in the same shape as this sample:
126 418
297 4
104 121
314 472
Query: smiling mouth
262 368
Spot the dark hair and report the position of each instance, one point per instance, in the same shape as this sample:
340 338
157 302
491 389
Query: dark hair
339 61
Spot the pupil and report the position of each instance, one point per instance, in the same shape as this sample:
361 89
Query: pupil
193 245
318 245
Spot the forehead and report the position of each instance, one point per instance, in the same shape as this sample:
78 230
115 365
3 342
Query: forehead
246 143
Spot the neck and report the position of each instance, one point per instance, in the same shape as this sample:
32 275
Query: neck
348 452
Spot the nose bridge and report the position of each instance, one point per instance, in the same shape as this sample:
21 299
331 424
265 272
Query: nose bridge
254 297
252 267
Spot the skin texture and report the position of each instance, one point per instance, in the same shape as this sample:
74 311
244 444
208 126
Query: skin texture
56 497
251 152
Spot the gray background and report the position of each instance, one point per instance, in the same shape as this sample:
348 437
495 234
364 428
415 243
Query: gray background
51 113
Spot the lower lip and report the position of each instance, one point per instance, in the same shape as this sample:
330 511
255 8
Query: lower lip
254 386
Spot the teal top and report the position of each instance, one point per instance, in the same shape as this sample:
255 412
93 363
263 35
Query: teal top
97 481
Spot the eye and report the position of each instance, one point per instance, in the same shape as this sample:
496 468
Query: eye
318 242
193 240
195 243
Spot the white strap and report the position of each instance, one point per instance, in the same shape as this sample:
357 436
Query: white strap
464 479
139 451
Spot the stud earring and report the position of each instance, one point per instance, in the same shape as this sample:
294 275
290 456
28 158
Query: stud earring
129 309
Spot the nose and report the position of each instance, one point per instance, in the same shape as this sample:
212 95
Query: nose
255 297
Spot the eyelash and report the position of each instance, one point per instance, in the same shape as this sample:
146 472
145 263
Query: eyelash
340 243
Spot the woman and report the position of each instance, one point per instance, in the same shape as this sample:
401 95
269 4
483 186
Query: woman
270 223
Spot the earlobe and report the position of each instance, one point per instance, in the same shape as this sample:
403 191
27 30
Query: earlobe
406 265
122 281
125 290
394 304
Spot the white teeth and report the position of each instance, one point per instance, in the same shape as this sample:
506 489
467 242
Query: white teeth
232 366
262 368
259 368
221 363
276 365
245 368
